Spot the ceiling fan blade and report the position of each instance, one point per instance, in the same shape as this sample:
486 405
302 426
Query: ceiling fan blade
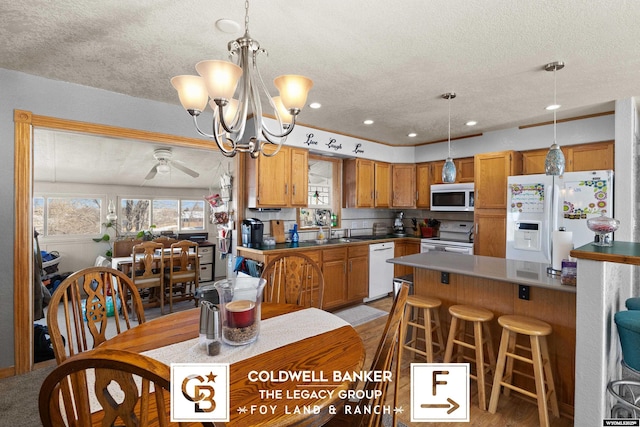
152 173
184 169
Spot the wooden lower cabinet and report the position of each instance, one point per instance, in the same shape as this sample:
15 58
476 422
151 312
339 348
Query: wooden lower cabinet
490 232
402 249
358 273
334 270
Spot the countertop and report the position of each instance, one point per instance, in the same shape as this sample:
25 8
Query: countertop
354 240
500 269
620 252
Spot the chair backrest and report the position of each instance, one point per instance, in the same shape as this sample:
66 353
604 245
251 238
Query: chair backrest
148 264
71 392
166 241
87 298
122 248
293 279
184 264
382 361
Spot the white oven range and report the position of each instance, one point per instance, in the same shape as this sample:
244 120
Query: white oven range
455 237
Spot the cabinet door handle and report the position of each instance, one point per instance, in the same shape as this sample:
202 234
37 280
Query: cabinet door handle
286 188
350 266
294 189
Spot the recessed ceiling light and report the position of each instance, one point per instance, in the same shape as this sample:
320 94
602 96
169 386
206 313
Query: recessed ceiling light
412 135
553 107
471 123
368 122
315 105
228 26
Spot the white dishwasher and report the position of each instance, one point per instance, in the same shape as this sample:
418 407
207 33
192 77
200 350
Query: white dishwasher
380 271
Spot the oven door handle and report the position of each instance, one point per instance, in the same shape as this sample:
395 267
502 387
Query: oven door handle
456 250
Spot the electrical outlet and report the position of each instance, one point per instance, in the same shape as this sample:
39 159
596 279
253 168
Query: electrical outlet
523 292
444 277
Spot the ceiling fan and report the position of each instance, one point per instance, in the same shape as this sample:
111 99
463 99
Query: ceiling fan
163 156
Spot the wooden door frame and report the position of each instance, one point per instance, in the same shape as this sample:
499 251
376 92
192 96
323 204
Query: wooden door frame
24 124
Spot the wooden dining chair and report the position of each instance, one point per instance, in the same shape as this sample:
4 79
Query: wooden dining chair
383 359
166 241
293 279
85 298
109 377
147 272
183 274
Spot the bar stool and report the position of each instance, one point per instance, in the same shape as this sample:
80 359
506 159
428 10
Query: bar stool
460 314
537 331
431 319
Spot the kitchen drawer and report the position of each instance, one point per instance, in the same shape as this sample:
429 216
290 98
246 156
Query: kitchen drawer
358 251
206 272
334 254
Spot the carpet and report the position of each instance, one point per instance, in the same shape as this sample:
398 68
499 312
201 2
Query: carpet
360 314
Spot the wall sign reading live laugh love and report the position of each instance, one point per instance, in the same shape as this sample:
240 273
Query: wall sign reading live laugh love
332 144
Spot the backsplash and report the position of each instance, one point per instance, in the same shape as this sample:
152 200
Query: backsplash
359 221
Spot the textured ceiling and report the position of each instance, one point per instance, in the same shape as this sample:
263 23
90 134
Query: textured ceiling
385 61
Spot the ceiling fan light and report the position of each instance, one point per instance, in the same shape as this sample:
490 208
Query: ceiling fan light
163 169
220 77
293 90
192 92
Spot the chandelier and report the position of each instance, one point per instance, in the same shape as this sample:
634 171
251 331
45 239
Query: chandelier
216 85
554 162
449 168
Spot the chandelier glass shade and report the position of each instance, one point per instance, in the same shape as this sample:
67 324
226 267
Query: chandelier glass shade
554 162
449 168
234 88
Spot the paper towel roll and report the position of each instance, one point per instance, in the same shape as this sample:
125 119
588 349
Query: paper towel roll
562 243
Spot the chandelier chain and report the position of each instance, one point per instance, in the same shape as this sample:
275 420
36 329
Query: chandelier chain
246 16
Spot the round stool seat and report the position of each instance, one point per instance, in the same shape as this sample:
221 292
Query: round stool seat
632 303
471 313
423 302
525 325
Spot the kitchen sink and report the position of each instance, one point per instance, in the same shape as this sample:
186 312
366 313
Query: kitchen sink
341 240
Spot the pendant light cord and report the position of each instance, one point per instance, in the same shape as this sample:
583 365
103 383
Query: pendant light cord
246 16
555 103
449 125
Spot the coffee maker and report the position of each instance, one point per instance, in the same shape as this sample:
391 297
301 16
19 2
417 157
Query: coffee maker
398 226
251 233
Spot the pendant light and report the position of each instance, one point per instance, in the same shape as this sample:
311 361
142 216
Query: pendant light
554 162
449 168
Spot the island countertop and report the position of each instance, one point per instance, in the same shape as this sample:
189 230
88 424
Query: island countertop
500 269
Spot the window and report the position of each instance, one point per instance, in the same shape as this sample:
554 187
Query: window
166 214
67 215
323 199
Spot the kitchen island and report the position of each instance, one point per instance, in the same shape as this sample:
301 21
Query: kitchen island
505 287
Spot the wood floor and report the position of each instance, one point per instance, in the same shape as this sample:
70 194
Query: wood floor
512 410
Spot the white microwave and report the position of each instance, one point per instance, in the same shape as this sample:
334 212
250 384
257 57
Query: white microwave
452 197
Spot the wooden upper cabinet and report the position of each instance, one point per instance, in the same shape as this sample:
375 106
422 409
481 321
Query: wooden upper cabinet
299 177
586 157
404 185
382 184
423 185
582 157
358 186
491 172
490 232
278 181
464 170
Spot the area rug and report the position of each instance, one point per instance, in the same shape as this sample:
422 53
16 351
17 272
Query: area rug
360 314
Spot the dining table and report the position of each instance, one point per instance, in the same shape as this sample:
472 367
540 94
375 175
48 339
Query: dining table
291 339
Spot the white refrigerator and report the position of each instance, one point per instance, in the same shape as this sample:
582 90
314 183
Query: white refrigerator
538 205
